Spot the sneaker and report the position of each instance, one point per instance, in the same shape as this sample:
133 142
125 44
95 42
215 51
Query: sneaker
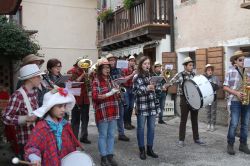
161 122
123 138
180 144
212 128
85 140
208 127
200 142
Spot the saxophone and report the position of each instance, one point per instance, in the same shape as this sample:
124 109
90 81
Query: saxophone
245 89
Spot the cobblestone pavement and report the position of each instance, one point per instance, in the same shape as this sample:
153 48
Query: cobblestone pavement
214 154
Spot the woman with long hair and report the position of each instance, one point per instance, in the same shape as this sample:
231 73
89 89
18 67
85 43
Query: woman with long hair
105 102
147 106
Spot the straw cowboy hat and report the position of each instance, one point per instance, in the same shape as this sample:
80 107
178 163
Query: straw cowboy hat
237 54
157 64
131 57
55 97
209 65
31 58
102 61
187 60
111 56
29 71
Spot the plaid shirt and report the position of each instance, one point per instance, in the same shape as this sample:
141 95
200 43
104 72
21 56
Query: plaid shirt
16 108
146 102
83 98
106 109
178 79
43 144
233 81
127 72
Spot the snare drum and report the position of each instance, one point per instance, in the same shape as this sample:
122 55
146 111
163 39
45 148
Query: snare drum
198 92
77 158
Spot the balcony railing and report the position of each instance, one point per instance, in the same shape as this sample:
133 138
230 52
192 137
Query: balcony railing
144 12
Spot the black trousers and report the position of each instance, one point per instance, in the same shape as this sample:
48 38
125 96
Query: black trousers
185 109
80 113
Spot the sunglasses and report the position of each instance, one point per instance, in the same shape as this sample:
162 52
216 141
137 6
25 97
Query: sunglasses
240 60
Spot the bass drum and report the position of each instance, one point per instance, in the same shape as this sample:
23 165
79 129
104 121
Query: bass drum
198 92
77 158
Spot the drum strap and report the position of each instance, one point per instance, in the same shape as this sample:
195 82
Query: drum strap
74 138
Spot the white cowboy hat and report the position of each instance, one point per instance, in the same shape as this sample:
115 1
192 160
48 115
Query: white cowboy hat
209 65
157 64
187 60
111 56
55 97
29 71
131 57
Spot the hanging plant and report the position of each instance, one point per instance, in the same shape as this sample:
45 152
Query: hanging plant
128 4
105 15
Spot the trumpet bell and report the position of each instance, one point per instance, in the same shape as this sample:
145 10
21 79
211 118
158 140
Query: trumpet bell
84 63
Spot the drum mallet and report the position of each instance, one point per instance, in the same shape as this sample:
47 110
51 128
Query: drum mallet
16 160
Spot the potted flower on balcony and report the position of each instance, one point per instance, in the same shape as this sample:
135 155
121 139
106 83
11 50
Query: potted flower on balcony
130 3
105 15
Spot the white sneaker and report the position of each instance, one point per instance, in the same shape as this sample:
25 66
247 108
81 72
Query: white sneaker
208 127
180 144
212 128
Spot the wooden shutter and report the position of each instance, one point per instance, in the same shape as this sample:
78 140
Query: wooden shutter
170 58
215 56
200 60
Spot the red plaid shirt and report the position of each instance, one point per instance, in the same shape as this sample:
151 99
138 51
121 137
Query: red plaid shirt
16 108
42 143
83 98
127 72
108 108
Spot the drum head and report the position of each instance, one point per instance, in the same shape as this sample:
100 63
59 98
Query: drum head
192 94
77 158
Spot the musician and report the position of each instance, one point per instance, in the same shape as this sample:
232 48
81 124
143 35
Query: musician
114 74
106 104
179 79
81 109
52 138
232 85
211 108
161 94
54 67
129 73
147 106
22 103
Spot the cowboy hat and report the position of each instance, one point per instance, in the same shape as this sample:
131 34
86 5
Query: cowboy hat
157 64
187 60
102 61
55 97
111 56
237 54
31 58
209 65
131 57
29 71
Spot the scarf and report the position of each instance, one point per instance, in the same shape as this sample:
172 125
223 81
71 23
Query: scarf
57 131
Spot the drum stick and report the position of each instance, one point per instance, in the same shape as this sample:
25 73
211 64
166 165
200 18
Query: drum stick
16 160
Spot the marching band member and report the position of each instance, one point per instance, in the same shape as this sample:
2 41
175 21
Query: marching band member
161 94
106 107
52 138
129 97
54 67
179 79
22 103
117 73
146 106
232 84
211 108
81 109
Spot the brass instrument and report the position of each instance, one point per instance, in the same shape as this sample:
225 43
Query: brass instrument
167 73
84 63
245 89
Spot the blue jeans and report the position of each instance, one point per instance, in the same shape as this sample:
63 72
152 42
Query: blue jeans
150 129
237 111
106 137
120 122
129 98
162 104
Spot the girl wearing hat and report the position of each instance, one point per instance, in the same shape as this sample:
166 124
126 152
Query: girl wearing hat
179 79
232 85
147 106
52 138
211 108
23 101
105 103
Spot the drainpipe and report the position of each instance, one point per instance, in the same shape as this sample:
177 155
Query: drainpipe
171 22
